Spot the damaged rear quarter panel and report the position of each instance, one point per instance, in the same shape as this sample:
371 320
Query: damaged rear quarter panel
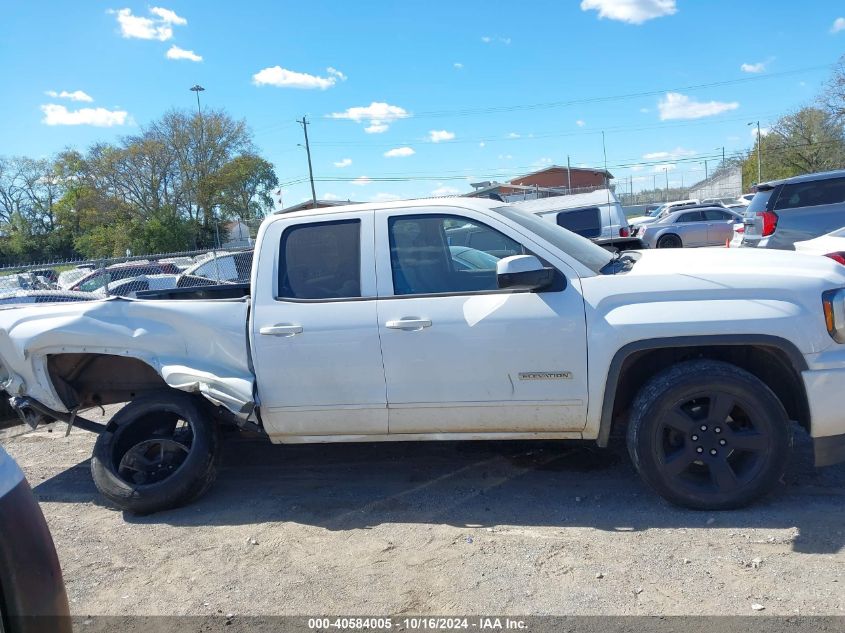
193 345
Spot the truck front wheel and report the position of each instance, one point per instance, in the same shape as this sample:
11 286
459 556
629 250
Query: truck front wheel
708 435
158 452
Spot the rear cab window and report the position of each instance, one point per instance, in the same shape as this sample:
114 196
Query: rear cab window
320 260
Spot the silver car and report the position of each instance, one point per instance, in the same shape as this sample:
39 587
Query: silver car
699 226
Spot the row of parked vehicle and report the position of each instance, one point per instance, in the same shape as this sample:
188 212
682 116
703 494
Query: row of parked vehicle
87 281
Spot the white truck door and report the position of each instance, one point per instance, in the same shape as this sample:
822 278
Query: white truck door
313 327
460 355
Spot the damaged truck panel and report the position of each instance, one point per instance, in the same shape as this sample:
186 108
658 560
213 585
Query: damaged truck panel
85 354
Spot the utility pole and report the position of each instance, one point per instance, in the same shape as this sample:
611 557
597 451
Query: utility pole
759 153
604 151
568 174
304 123
705 170
666 172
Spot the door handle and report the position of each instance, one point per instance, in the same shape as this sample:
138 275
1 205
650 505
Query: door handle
281 330
408 323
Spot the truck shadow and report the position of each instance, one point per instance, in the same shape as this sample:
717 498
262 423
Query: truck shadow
469 484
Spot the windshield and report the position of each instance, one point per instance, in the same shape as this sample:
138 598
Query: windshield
592 256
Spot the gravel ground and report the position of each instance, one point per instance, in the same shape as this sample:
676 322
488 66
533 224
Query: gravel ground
438 528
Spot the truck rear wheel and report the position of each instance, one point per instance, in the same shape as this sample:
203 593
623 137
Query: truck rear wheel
159 452
708 435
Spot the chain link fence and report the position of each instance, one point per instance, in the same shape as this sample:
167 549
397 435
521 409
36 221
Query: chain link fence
86 280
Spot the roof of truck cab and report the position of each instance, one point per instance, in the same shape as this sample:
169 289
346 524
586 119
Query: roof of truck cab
479 204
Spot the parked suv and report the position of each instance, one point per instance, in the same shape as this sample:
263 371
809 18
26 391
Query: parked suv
795 209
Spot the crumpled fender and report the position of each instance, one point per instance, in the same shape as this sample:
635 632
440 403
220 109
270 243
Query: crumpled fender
197 346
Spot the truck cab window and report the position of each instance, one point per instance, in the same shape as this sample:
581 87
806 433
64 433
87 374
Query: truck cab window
432 254
321 261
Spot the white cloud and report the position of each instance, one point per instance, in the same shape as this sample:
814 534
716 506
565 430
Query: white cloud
482 144
838 25
630 11
55 114
343 162
334 72
437 136
580 123
501 40
385 197
505 157
542 162
376 128
76 95
458 65
168 16
677 106
284 78
362 180
753 68
678 152
445 191
379 114
159 27
329 196
486 39
513 135
764 131
399 152
174 52
659 169
645 110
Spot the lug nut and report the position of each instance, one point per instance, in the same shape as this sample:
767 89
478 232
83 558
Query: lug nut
699 450
718 429
713 451
703 427
694 438
723 442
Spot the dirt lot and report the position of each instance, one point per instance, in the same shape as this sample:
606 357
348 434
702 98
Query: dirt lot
445 528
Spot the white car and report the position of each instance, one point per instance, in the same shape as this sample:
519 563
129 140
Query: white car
832 245
359 328
661 212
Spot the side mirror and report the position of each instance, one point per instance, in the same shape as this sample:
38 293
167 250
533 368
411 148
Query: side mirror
523 272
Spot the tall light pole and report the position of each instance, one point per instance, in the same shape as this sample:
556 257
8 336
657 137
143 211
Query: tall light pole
197 89
759 154
666 173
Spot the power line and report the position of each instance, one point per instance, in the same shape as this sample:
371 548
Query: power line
606 98
561 134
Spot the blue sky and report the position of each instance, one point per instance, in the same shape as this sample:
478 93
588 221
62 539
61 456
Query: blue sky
460 91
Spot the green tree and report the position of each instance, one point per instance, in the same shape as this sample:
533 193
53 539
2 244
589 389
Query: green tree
805 141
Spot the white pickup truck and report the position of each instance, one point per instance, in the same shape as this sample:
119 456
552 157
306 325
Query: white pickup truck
453 319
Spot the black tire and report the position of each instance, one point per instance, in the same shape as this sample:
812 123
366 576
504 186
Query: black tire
738 423
670 241
174 428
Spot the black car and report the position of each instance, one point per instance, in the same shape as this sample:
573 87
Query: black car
32 592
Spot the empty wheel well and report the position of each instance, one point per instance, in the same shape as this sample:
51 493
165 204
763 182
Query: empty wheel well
770 364
96 379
